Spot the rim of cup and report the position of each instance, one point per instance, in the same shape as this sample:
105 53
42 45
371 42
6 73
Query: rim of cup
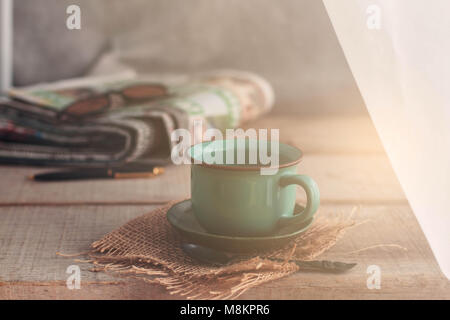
195 153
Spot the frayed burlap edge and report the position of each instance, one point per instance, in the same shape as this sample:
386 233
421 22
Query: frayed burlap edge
119 252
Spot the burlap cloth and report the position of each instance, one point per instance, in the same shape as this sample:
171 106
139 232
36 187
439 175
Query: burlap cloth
147 247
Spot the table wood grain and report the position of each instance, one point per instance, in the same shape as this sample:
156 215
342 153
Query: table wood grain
343 155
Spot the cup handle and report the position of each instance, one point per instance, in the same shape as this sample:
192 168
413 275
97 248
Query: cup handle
312 195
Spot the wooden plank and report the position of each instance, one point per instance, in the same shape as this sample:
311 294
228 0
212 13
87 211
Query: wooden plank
294 288
343 154
341 178
304 286
318 134
408 267
173 184
353 178
30 237
129 289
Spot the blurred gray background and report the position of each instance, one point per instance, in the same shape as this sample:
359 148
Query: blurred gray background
290 42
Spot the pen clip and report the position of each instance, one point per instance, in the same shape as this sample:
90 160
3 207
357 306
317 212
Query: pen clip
136 175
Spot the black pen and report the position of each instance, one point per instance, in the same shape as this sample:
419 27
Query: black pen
99 173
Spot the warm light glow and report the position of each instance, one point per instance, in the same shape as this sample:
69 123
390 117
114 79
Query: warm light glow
403 73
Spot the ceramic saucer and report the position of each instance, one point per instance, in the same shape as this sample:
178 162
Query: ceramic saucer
182 218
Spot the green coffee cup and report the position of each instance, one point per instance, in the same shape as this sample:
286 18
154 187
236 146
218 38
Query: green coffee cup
233 197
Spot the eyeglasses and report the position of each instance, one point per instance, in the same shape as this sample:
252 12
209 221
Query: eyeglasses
96 104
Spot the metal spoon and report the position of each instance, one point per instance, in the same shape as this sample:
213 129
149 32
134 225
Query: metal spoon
219 258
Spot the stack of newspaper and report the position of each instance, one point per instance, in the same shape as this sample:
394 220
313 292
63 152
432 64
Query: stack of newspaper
120 119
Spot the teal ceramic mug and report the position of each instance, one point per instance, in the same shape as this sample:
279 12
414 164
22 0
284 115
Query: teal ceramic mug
231 197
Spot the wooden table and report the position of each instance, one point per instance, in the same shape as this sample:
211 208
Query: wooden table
343 154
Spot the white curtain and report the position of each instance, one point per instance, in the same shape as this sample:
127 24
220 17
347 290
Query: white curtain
399 54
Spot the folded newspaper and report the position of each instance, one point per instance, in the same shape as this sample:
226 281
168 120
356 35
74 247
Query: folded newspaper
116 120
